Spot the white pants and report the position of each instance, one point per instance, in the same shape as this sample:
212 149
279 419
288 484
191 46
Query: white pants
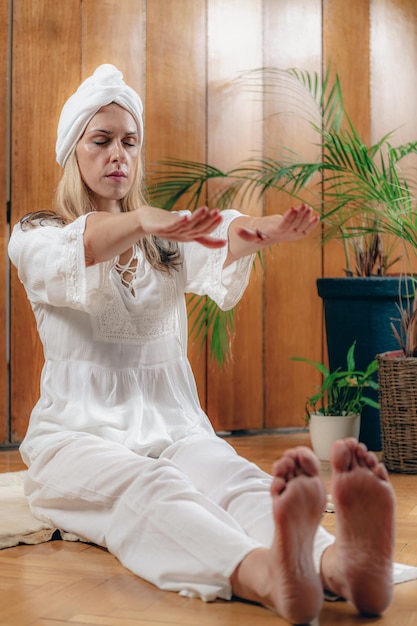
183 521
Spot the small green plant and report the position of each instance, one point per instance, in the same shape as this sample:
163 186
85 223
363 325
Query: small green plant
342 392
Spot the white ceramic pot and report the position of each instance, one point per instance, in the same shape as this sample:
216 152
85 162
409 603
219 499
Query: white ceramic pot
325 429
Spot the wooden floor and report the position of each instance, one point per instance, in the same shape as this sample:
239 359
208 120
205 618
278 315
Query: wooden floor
62 583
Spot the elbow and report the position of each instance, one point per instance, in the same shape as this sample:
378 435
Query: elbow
89 256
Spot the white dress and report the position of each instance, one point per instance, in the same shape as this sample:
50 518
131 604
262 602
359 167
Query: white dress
115 363
118 448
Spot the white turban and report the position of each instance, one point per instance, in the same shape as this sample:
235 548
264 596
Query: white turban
106 85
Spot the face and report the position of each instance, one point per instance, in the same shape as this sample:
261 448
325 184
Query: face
107 156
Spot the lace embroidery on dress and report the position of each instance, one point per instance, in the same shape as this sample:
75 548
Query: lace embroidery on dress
73 259
72 266
215 267
118 324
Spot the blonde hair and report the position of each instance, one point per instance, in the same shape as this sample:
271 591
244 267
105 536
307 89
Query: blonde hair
73 199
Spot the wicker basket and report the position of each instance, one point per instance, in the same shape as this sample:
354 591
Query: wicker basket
397 377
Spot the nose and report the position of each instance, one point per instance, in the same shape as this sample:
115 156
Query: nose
118 152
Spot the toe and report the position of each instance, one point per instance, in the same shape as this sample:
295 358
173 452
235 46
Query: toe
341 456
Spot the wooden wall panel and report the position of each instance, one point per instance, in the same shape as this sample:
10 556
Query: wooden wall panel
393 58
292 308
393 52
45 43
235 395
346 28
4 40
176 99
104 25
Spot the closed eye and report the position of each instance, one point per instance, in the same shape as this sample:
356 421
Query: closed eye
101 137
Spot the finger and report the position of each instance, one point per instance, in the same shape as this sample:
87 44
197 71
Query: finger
315 220
299 220
294 217
188 226
203 214
306 228
204 227
250 235
211 242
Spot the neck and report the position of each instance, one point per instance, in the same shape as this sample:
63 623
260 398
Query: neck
110 206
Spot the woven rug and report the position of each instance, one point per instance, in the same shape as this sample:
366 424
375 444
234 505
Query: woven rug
19 526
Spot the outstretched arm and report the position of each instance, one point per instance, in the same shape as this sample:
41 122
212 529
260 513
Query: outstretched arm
250 234
108 235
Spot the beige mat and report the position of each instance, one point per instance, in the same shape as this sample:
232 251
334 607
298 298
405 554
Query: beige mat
18 525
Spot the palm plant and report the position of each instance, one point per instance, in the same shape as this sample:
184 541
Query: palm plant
363 198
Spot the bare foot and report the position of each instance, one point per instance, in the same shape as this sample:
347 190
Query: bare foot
284 578
358 566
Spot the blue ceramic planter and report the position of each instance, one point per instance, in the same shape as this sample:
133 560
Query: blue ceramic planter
361 310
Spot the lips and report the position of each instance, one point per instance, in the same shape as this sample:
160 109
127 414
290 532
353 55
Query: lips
117 177
117 174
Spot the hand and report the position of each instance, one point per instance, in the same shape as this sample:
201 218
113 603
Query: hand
174 227
296 223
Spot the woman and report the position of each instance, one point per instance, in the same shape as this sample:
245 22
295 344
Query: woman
118 448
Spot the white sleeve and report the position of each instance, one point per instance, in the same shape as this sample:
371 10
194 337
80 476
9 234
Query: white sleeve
204 273
50 263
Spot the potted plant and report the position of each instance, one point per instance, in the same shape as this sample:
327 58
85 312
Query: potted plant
364 199
334 410
359 190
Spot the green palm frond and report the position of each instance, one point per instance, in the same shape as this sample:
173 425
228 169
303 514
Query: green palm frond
359 190
209 317
174 180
